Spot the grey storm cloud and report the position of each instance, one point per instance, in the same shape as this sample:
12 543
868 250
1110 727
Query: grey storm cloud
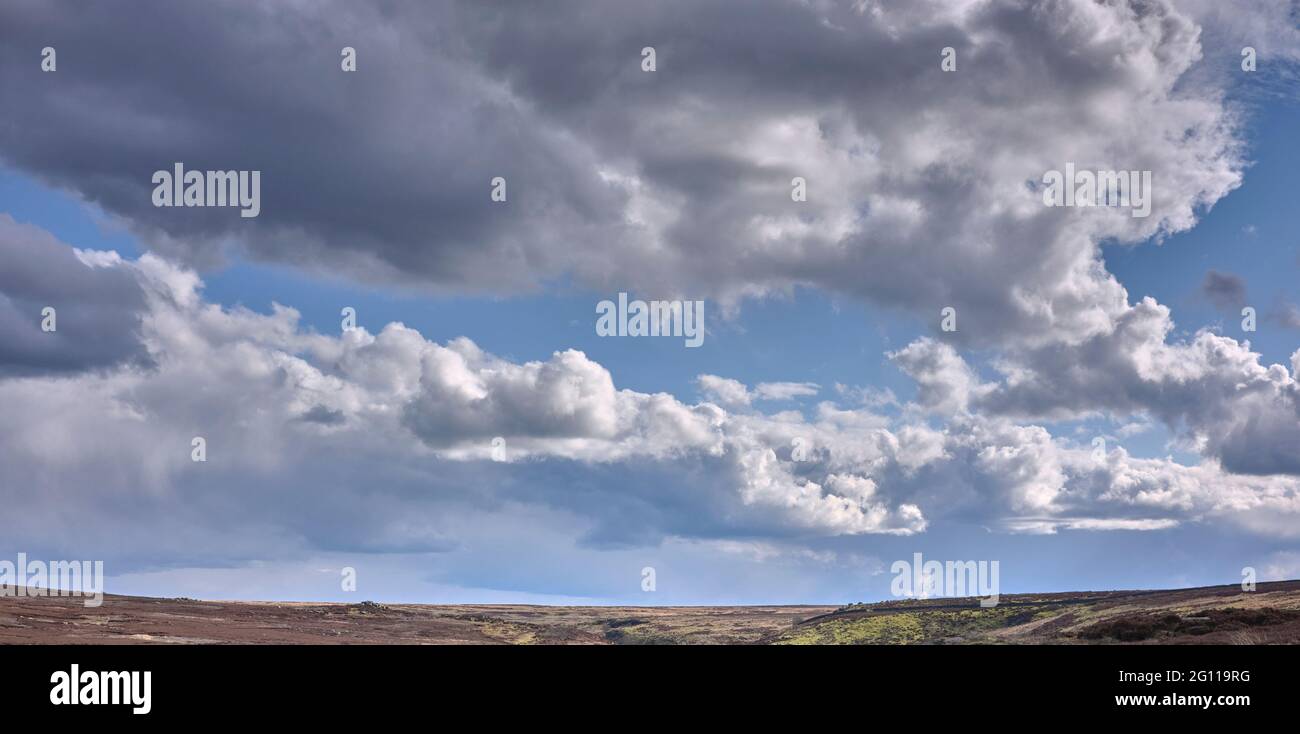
378 175
920 183
97 306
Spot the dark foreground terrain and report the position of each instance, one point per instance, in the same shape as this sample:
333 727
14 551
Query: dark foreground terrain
1214 615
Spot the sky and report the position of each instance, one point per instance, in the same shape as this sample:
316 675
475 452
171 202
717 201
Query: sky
1094 415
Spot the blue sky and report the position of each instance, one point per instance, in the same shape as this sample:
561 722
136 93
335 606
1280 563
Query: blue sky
965 446
1252 233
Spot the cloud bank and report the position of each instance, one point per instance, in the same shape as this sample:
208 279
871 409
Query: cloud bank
924 192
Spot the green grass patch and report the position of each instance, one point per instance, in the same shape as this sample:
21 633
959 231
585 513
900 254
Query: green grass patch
905 628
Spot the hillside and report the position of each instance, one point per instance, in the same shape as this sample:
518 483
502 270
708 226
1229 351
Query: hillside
1215 615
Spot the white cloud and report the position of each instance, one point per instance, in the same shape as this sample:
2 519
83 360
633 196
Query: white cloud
372 441
785 390
727 392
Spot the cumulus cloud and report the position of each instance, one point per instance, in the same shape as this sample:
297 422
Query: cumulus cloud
1212 388
945 383
922 188
725 391
281 408
313 426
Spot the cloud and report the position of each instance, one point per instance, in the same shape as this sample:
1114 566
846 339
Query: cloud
1212 388
1271 27
378 442
1287 314
785 390
311 420
944 381
922 194
921 186
1225 290
1135 428
1281 566
1052 526
97 306
725 391
735 394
